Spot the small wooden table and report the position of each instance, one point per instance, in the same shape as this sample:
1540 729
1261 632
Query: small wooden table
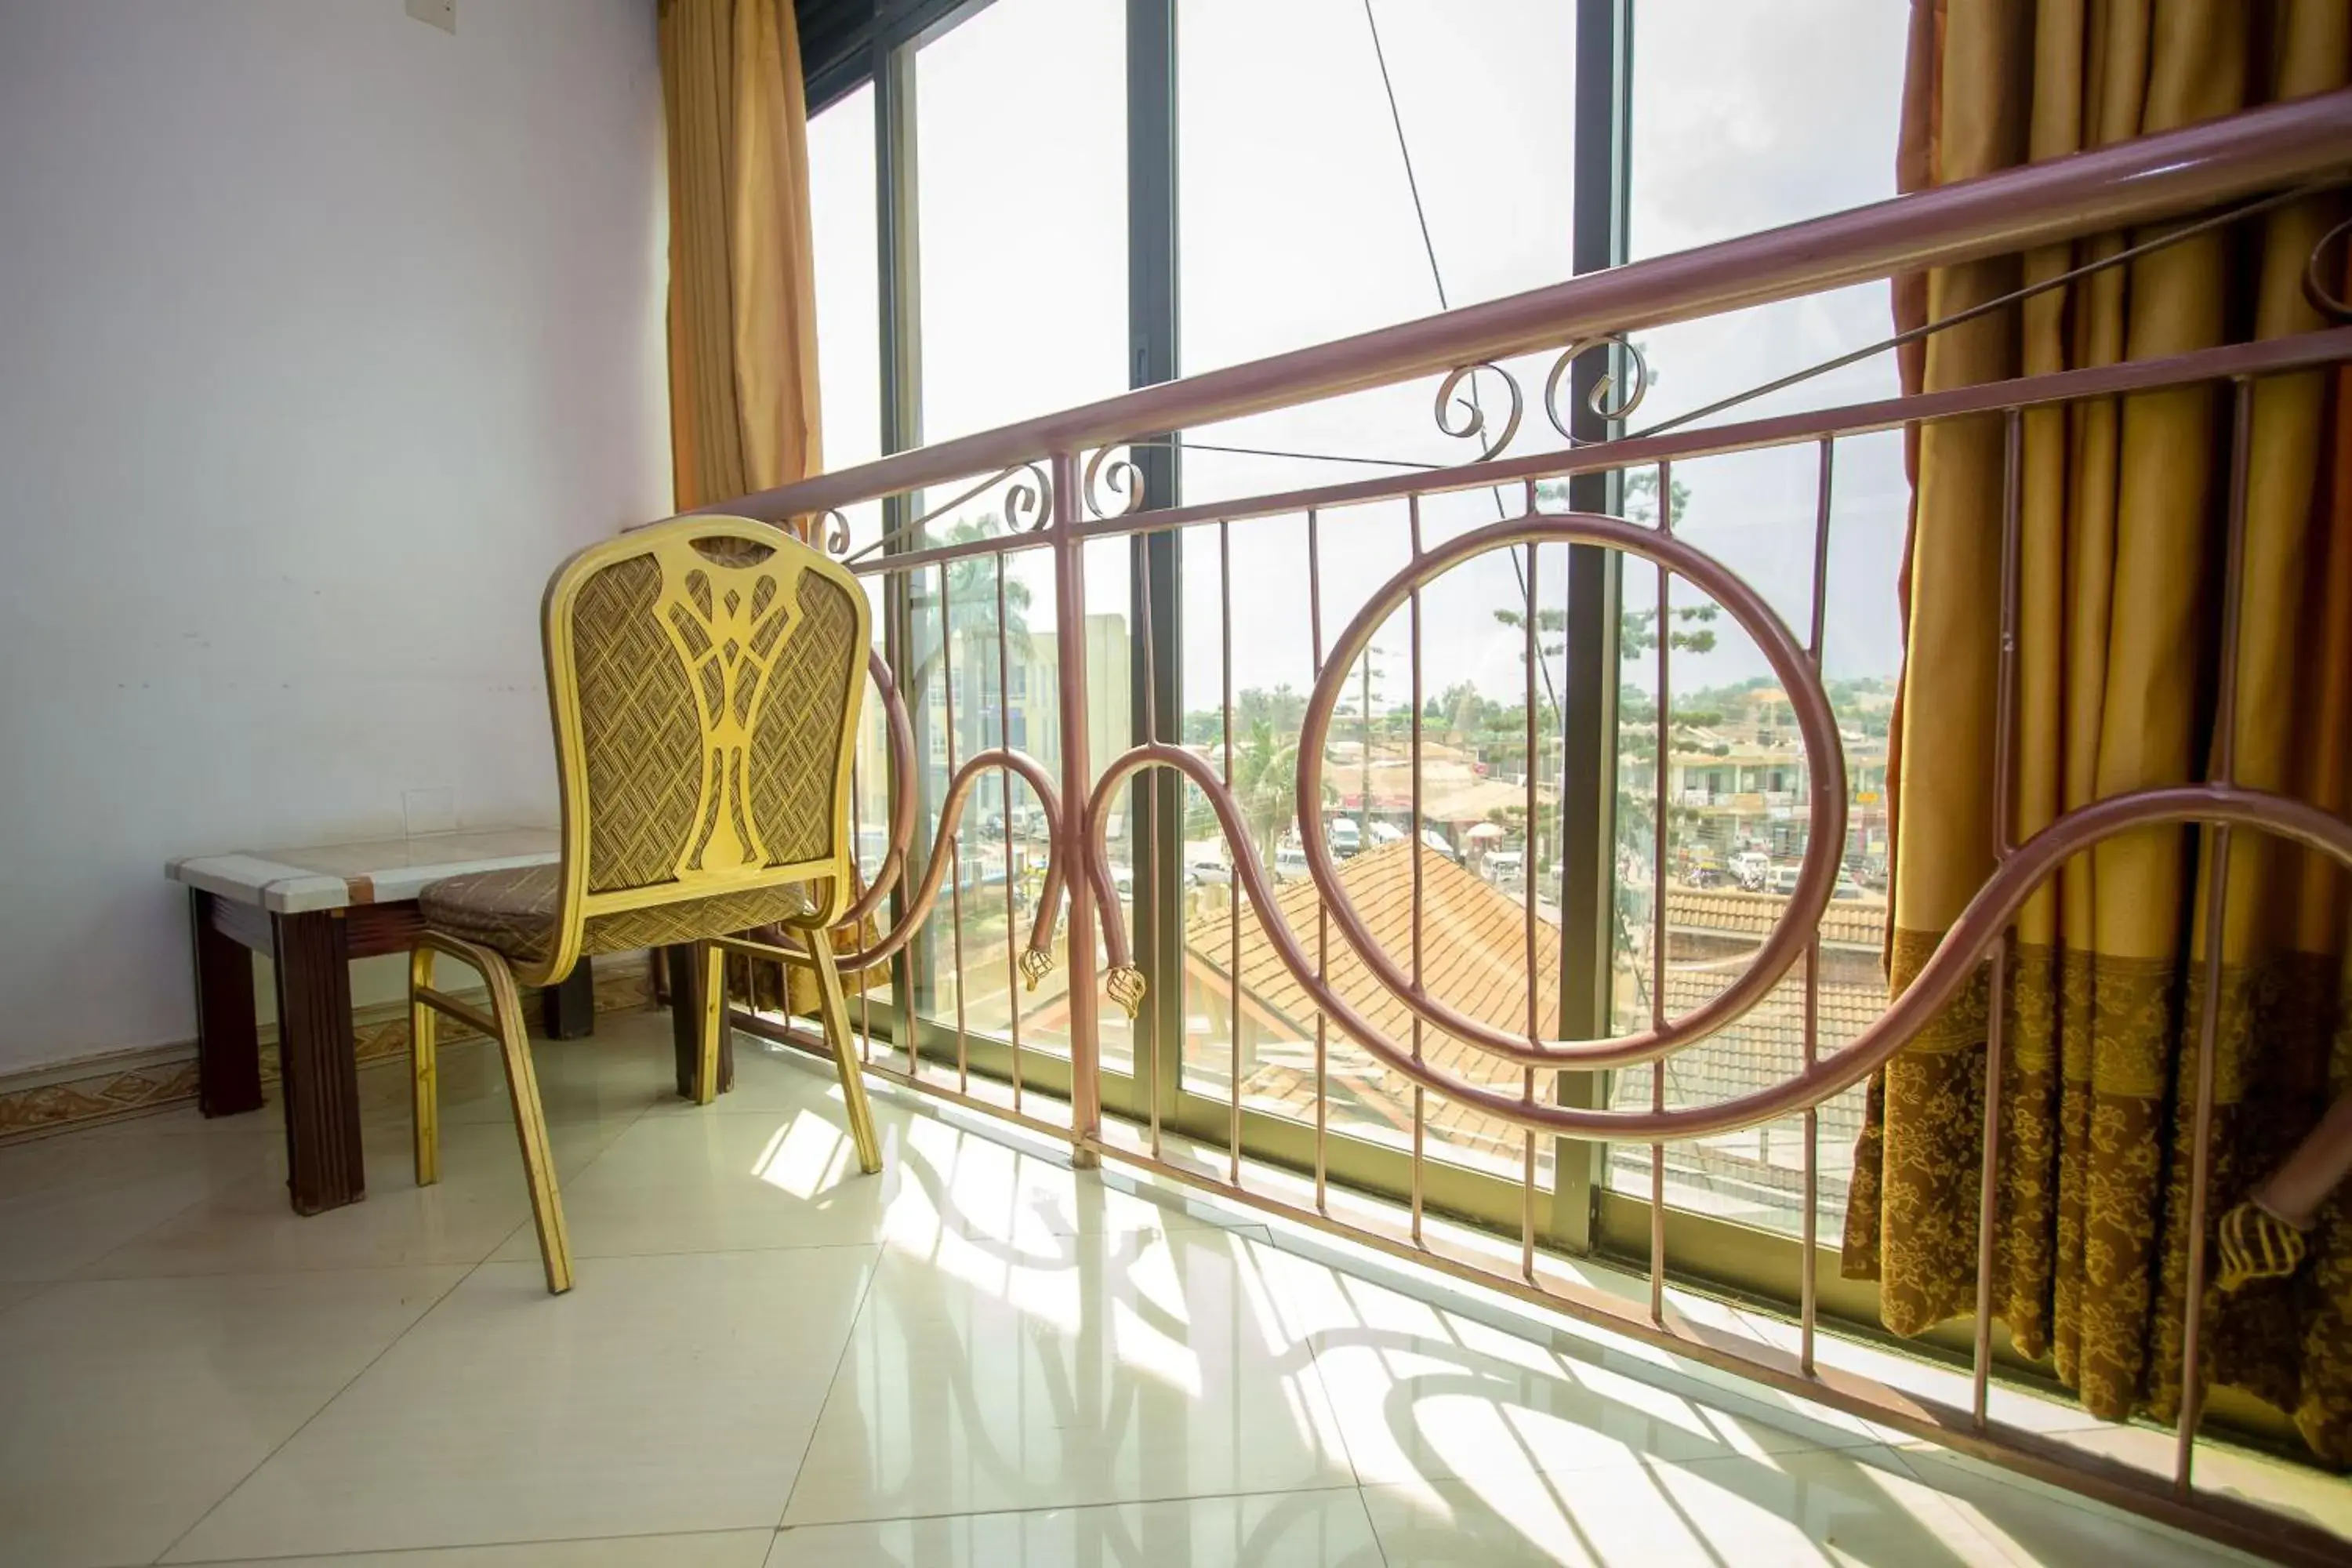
311 912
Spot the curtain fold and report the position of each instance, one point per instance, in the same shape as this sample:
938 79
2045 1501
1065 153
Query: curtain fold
744 414
742 291
2118 658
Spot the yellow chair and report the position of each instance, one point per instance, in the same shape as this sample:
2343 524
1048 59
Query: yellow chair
705 675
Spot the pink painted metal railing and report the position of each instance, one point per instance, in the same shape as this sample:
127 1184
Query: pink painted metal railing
1067 486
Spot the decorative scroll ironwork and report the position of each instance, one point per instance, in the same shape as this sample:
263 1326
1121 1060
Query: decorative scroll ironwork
1123 478
836 533
1028 506
1597 399
1473 424
2323 300
1029 500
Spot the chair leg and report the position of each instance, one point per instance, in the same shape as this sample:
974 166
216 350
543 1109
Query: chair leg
712 962
530 1123
424 1079
835 1008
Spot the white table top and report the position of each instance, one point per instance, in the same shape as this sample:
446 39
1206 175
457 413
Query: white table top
377 871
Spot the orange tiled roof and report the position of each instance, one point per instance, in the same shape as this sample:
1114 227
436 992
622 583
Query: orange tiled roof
1474 956
1473 944
1860 922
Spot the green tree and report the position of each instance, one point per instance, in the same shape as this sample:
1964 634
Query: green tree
1265 785
1459 709
1284 709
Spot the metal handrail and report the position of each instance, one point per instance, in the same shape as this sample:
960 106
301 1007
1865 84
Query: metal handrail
2085 193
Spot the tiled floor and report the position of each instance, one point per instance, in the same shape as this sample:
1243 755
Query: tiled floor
978 1357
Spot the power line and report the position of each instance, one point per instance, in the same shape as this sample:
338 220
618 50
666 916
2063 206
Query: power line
1437 276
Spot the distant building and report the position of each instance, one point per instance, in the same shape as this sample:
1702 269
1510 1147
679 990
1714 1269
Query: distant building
1026 715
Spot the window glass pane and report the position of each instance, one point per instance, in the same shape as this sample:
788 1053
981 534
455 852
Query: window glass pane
1745 119
1021 195
1299 226
1020 128
849 325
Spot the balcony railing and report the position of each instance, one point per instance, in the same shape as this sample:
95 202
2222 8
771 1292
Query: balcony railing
1066 481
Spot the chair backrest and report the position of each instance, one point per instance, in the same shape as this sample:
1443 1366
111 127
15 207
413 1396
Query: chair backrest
705 674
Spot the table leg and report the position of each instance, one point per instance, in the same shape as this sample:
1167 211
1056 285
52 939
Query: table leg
567 1010
317 1067
683 962
228 1045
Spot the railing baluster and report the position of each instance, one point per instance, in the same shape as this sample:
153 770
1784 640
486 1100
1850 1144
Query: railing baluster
1809 1262
1663 628
2208 1012
1420 1105
1012 906
2004 755
1534 647
1312 811
954 850
1076 847
1142 845
1234 853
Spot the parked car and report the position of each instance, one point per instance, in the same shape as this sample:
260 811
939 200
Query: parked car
1506 865
1208 871
1784 879
1347 838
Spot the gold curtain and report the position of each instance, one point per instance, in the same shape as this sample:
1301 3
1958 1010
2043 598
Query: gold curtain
742 276
2118 659
743 407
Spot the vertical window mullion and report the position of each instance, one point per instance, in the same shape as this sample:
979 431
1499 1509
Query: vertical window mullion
1152 339
1604 120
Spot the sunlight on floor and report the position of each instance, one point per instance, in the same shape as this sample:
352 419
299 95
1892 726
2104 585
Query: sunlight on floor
978 1356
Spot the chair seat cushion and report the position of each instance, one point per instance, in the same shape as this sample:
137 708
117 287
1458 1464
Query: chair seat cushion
513 912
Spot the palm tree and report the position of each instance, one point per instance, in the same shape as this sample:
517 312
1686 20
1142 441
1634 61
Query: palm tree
972 627
1265 785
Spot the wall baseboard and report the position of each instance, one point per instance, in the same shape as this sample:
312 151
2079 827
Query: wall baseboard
116 1084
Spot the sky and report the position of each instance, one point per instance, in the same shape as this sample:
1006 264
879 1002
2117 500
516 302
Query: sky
1296 224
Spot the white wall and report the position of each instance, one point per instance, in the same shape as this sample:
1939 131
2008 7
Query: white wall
324 335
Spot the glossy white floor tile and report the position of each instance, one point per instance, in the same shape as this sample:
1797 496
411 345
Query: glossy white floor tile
1104 1369
978 1356
2033 1523
661 1395
1853 1506
1283 1529
68 1200
720 1549
623 1070
479 1201
1423 1393
785 1174
129 1407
